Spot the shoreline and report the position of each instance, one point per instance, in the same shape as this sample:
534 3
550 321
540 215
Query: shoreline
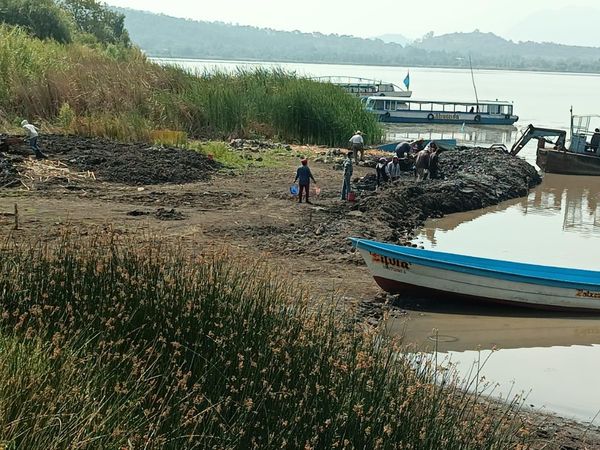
312 62
253 215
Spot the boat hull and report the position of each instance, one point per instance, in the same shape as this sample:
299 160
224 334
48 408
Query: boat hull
445 118
568 163
399 273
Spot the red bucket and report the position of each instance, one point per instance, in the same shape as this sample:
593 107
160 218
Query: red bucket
351 197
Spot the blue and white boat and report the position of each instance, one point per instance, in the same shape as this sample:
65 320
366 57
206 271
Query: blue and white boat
399 270
400 110
445 144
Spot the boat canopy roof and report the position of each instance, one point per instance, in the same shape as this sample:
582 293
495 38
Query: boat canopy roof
441 102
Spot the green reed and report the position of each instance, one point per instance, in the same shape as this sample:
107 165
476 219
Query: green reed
113 344
126 96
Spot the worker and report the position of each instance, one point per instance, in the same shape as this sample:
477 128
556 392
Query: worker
32 136
433 161
394 169
422 163
402 150
348 170
418 145
595 141
357 144
303 176
380 168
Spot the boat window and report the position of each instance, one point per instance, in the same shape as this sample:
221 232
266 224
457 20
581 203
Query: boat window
510 110
493 109
426 107
379 104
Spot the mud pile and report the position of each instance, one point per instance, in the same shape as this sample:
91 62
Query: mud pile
469 179
9 176
133 164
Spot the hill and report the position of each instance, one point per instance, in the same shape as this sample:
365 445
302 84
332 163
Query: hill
164 36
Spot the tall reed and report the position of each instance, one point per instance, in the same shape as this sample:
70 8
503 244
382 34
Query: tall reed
126 95
116 344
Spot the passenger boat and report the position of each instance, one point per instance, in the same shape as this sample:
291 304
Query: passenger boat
554 155
434 111
364 87
400 270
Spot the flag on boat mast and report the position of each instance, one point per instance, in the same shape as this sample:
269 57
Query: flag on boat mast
407 80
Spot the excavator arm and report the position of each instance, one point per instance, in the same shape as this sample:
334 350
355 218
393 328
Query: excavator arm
532 132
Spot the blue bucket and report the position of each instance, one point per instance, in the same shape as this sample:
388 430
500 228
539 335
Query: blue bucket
294 190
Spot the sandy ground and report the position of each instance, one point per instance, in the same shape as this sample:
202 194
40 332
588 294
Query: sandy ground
246 214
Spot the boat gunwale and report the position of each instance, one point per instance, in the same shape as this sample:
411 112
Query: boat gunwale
484 271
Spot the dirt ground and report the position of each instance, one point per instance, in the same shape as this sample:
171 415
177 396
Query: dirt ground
252 214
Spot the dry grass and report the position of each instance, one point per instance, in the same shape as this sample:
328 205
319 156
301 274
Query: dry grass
124 96
115 344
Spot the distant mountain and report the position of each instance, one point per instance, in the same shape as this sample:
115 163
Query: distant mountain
394 39
574 25
165 36
481 44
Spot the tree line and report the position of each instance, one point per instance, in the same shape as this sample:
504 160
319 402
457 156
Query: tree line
66 20
164 36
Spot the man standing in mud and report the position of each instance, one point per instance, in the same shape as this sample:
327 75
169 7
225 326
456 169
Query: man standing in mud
422 163
348 170
303 176
357 144
32 136
433 161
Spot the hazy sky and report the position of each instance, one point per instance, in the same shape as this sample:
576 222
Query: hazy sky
515 19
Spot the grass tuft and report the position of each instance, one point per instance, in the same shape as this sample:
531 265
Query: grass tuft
114 344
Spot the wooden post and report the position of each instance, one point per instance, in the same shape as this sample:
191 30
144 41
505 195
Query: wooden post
16 217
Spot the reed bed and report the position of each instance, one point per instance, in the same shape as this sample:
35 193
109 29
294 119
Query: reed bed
113 344
121 94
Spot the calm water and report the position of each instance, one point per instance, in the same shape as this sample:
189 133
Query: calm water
556 358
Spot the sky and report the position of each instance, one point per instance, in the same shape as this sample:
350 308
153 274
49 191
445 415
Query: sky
539 20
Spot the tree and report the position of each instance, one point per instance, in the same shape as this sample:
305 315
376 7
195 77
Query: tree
42 18
98 20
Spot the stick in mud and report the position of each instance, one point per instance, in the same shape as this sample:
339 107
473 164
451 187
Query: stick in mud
16 217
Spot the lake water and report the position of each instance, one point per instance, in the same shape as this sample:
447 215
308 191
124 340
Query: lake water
554 357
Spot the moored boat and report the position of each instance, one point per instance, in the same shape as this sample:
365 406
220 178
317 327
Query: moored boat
444 144
398 269
399 110
364 87
581 156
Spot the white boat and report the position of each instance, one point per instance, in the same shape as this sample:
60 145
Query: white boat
364 87
484 112
398 270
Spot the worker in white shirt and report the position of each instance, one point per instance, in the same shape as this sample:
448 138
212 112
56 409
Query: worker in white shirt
33 135
357 144
394 169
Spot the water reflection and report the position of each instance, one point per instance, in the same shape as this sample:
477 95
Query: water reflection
561 380
464 135
557 224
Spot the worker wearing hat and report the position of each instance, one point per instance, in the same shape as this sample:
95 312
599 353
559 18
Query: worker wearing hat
357 145
32 135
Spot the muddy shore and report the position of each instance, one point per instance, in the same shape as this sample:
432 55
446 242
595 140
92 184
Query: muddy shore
184 197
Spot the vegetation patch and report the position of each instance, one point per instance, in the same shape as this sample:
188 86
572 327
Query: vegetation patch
114 344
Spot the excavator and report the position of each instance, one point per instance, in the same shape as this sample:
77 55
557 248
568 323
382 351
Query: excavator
543 135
